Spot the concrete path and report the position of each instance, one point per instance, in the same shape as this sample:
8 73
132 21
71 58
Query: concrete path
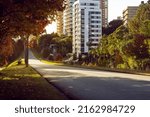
79 83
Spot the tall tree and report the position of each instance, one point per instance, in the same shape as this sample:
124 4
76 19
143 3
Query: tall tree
142 15
140 28
6 49
25 17
113 25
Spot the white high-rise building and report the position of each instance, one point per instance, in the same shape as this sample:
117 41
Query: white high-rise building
59 23
67 17
104 7
87 25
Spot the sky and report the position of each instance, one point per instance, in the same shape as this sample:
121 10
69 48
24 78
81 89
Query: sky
51 28
116 7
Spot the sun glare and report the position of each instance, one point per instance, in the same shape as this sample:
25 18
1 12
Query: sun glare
50 28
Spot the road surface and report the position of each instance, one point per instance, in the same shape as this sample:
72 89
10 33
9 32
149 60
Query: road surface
87 84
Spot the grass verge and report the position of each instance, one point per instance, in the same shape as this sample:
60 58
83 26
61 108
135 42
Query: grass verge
24 83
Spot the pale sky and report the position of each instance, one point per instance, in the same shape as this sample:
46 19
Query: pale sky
116 7
51 28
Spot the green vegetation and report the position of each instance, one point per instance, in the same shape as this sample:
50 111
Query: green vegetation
128 47
112 26
23 18
10 51
52 47
20 82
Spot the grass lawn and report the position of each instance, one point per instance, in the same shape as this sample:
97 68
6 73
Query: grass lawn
24 83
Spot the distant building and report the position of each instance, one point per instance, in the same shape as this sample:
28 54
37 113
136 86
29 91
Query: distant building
67 17
59 23
87 25
129 13
104 7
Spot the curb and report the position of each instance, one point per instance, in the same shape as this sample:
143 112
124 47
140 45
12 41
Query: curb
61 91
111 70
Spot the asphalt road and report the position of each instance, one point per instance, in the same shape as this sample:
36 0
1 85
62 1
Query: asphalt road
87 84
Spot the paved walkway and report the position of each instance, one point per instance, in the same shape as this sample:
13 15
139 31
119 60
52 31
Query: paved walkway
79 83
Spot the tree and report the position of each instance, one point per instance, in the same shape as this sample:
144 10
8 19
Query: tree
142 15
62 45
113 25
6 47
139 27
127 47
25 17
145 29
46 39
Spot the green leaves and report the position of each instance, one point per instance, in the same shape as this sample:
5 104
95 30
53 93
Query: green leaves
145 28
141 19
48 43
27 17
128 47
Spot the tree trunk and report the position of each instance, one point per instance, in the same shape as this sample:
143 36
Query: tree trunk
26 53
5 61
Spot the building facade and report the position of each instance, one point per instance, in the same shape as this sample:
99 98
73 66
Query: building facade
59 23
104 7
67 17
129 13
87 25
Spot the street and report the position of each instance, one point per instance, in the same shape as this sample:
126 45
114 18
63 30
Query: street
87 84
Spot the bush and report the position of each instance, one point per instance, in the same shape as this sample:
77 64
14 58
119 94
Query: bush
58 57
45 52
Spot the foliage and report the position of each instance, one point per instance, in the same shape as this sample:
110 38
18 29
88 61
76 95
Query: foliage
21 18
142 15
6 47
145 28
25 17
10 50
53 47
45 40
127 47
113 25
64 44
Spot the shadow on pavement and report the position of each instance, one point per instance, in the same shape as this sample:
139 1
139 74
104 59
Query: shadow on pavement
99 88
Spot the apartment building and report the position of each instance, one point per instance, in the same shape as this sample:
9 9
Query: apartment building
59 23
104 7
87 25
67 17
129 13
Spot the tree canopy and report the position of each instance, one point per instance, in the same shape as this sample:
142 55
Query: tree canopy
128 46
21 18
141 19
25 17
52 46
112 26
